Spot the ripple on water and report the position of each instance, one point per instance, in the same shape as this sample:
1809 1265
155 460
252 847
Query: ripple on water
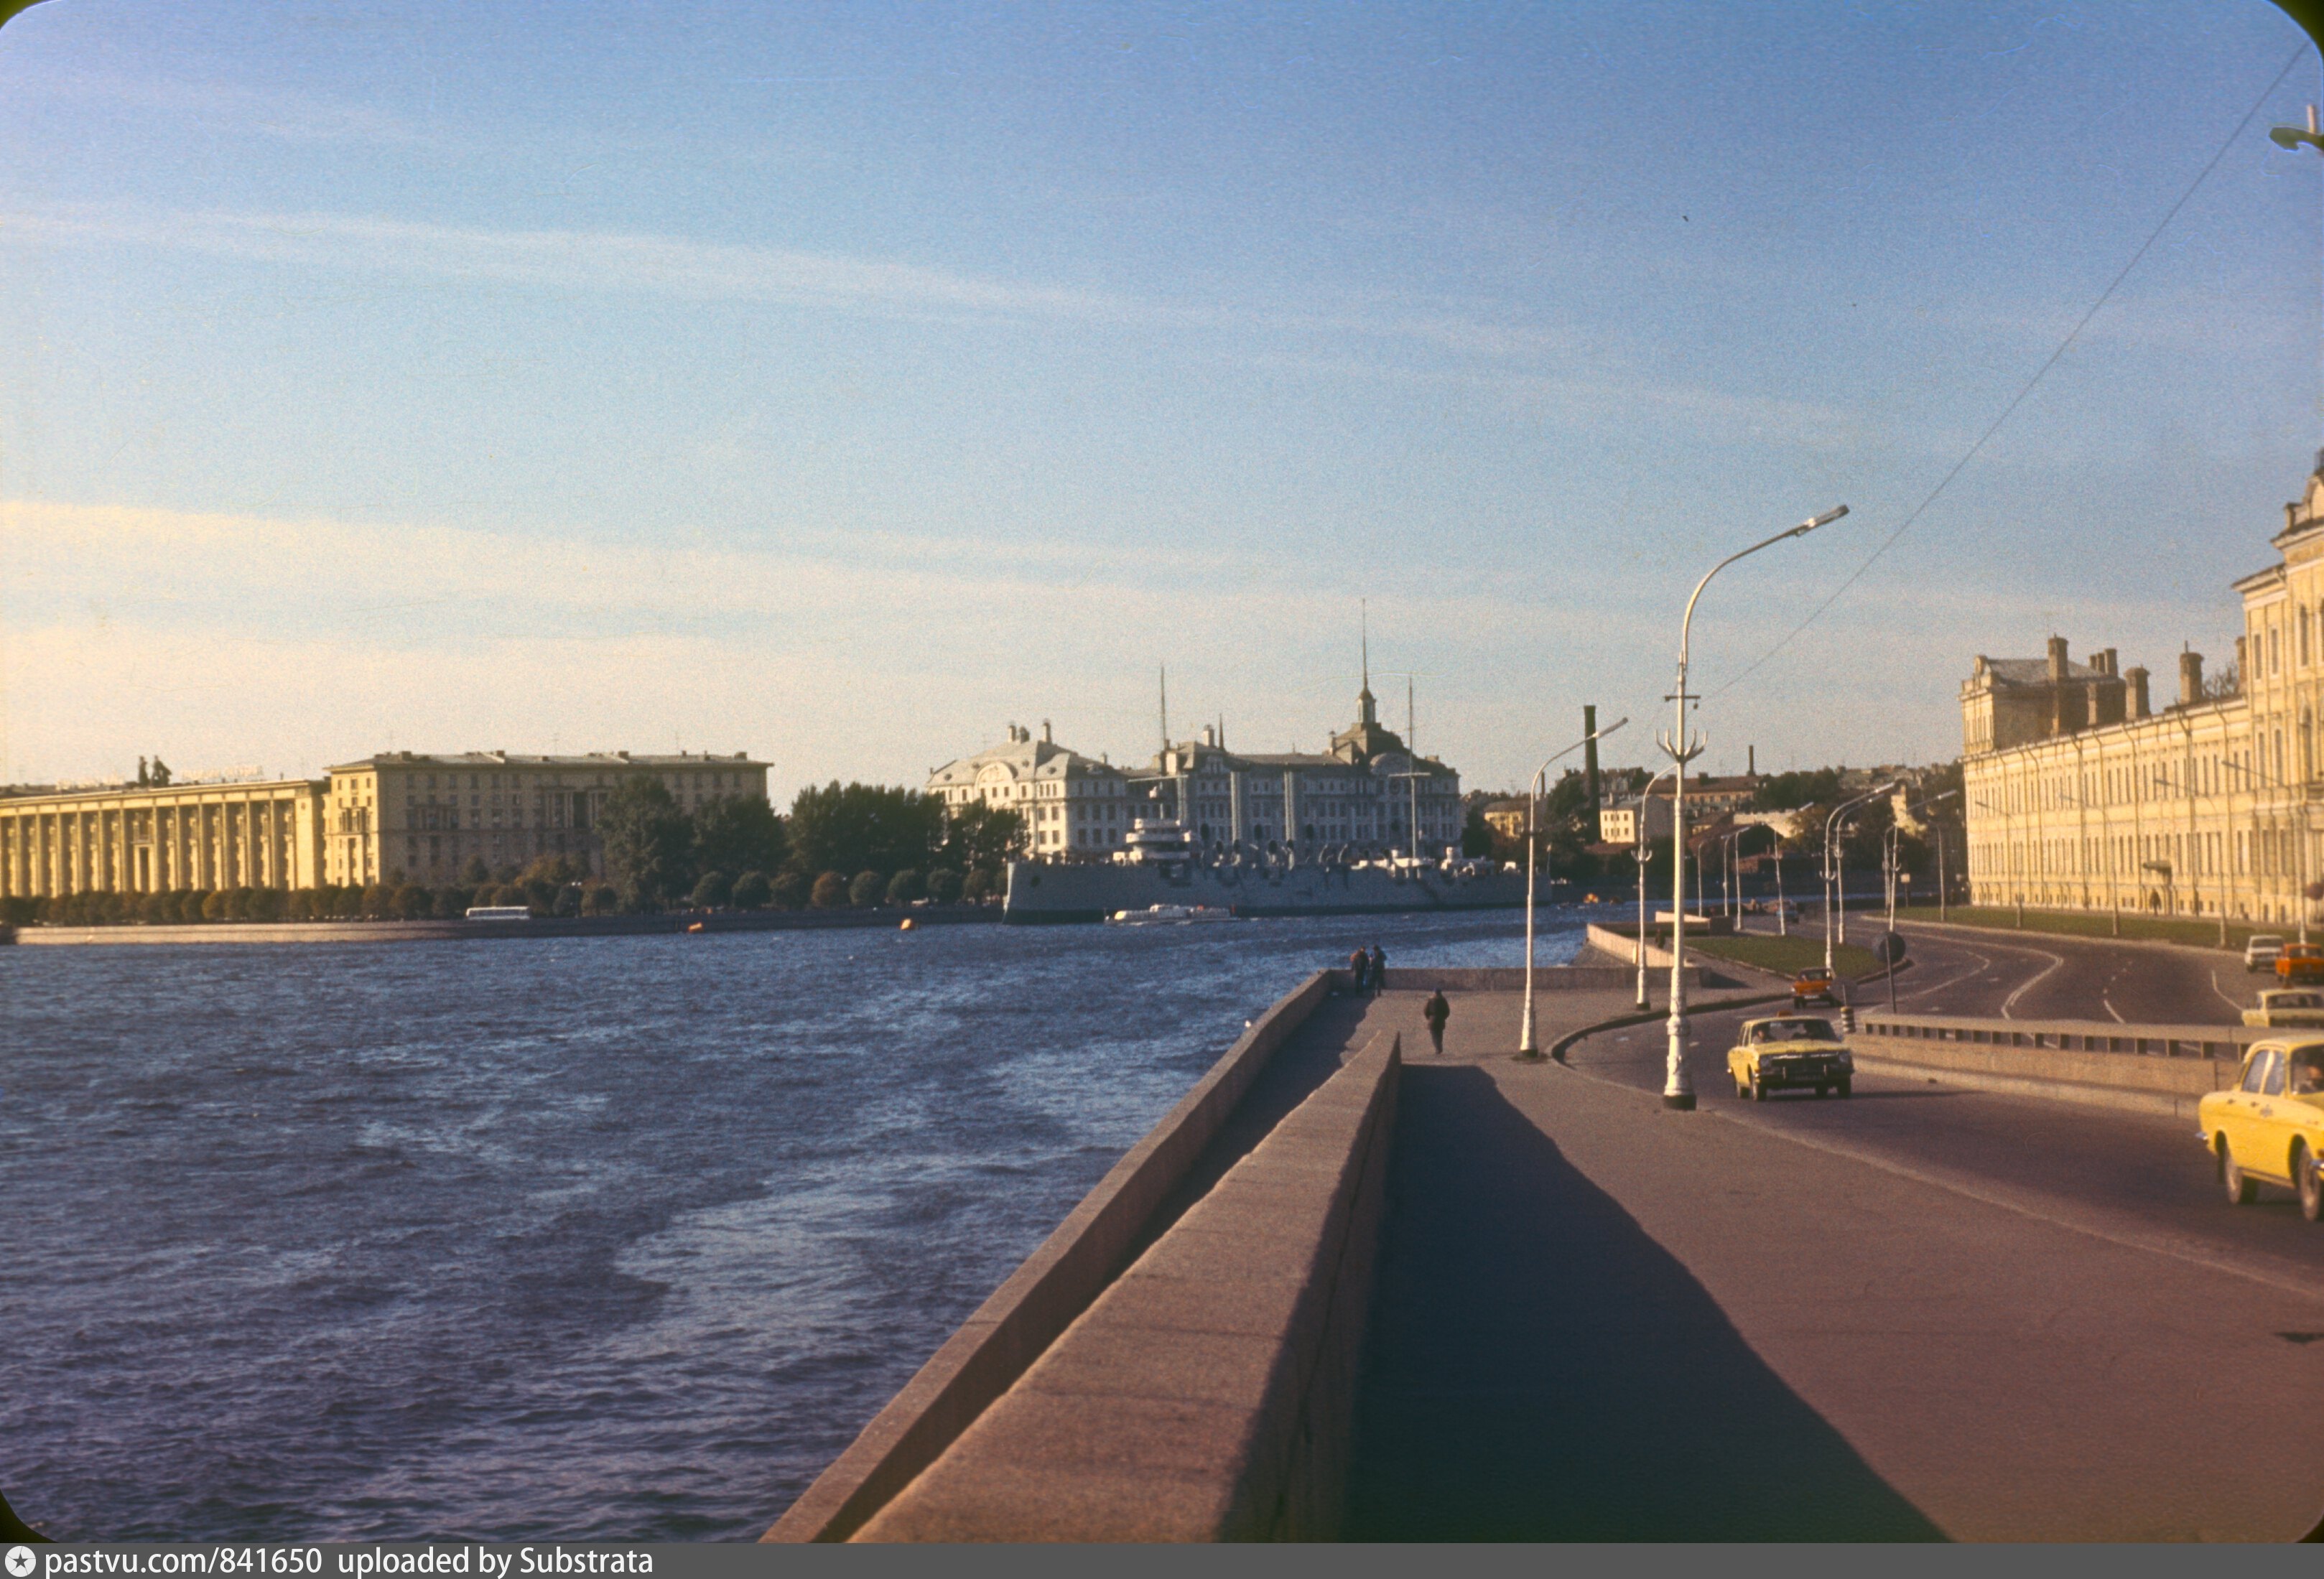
608 1237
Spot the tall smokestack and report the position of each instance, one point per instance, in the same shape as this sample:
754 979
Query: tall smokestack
1589 751
2134 678
2190 678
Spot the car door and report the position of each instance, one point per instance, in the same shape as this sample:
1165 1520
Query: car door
2241 1109
2267 1122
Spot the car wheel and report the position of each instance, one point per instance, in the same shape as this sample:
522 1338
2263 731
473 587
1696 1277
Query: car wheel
2241 1191
1841 1088
1758 1089
2311 1187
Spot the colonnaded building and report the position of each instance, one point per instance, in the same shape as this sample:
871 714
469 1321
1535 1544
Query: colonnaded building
2081 795
1367 790
400 816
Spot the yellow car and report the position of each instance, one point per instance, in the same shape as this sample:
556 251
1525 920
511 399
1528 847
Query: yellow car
2270 1129
1791 1051
2288 1006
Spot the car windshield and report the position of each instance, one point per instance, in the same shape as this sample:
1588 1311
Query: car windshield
1795 1031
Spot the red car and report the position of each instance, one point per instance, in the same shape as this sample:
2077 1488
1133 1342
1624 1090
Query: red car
1813 986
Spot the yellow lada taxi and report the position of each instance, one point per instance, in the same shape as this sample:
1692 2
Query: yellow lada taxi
1789 1053
2269 1129
2282 1007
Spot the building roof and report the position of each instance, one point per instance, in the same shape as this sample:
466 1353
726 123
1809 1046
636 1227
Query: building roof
1021 758
595 760
2034 671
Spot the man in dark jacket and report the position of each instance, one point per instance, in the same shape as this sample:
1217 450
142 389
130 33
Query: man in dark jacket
1380 968
1436 1011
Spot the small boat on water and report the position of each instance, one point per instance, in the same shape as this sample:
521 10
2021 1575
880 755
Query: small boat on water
1170 915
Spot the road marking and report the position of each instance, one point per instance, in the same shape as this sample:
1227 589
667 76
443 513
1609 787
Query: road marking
2155 1241
2235 1003
2057 961
2108 1004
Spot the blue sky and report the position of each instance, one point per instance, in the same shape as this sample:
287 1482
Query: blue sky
842 383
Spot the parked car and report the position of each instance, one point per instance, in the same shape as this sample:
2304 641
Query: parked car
2300 962
1815 986
2283 1007
1789 1052
2269 1129
2260 950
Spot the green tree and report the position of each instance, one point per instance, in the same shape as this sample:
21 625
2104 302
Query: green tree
753 891
790 889
378 902
906 886
1476 834
862 827
738 833
475 873
943 886
866 888
983 835
452 902
830 892
414 902
714 891
648 844
1791 791
600 899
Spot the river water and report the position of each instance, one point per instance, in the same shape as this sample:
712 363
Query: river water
586 1238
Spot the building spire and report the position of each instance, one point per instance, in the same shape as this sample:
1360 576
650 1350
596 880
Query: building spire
1366 710
1165 707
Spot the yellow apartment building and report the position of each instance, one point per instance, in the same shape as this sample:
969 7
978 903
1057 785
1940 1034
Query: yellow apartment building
2082 796
138 840
414 817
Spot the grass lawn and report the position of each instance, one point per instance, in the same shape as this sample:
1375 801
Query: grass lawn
2081 923
1785 955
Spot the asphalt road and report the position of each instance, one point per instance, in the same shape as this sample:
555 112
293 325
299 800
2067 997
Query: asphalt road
1997 975
2137 1177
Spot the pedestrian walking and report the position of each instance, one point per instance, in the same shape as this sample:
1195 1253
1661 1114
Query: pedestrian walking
1436 1011
1358 967
1380 968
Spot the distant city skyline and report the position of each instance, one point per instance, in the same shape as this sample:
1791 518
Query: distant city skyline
841 386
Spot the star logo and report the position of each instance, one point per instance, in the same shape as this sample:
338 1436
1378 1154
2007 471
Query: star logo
20 1562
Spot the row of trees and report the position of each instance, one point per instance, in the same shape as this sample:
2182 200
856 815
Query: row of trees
841 844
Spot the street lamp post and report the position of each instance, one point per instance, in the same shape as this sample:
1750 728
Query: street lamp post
1831 866
1638 860
1678 1091
1526 1048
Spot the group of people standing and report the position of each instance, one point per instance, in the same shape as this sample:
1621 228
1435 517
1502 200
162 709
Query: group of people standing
1368 972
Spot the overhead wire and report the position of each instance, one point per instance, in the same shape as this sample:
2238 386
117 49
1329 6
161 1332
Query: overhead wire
2019 399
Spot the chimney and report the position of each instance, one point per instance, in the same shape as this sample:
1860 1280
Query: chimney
2136 678
1045 738
2058 664
1589 749
2190 678
2105 663
1750 761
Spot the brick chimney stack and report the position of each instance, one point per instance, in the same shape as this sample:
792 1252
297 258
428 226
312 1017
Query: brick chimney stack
2136 678
2190 678
2058 664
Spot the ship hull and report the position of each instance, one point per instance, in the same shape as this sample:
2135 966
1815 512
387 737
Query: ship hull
1042 895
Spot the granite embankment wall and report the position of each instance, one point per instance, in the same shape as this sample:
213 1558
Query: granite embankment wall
470 931
2151 1069
1209 1393
1021 1318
